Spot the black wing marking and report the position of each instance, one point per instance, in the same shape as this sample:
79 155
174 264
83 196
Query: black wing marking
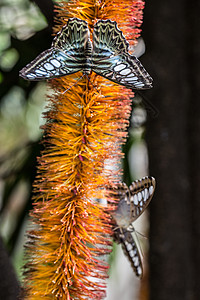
141 193
132 203
130 249
111 59
66 56
49 64
73 38
108 37
133 200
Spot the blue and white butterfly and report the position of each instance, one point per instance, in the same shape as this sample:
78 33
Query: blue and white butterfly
73 51
132 203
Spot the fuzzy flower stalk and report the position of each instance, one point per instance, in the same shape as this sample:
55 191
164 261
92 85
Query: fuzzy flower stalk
85 127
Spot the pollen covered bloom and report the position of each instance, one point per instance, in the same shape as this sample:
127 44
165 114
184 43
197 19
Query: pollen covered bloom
85 127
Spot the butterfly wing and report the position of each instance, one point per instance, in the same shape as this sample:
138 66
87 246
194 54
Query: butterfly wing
49 64
66 56
141 193
123 210
111 59
130 249
132 203
133 200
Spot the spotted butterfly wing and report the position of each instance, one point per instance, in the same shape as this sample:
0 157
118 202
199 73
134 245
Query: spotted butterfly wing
71 52
141 192
133 200
124 237
132 203
111 59
66 55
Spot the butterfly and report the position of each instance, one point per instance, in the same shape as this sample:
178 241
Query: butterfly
133 200
72 51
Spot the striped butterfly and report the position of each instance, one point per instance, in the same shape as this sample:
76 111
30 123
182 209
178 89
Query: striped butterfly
132 203
73 51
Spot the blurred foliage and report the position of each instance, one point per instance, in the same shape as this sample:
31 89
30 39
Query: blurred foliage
25 31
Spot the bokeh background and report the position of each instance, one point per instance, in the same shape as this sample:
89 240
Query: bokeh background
163 142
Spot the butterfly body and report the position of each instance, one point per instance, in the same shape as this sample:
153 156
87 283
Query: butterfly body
133 201
73 51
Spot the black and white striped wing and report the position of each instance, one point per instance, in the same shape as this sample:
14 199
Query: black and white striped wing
66 55
141 192
133 200
132 203
111 59
130 249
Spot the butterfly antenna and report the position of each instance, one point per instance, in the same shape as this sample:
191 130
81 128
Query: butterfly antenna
132 229
116 227
73 84
138 243
142 235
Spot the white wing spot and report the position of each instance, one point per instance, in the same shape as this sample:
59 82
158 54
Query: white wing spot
119 67
125 242
40 73
55 62
135 199
136 261
139 196
151 190
146 194
48 66
41 69
127 80
139 270
31 76
131 77
138 84
125 198
125 72
129 247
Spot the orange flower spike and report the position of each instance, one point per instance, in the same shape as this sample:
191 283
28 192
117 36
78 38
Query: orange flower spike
85 128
